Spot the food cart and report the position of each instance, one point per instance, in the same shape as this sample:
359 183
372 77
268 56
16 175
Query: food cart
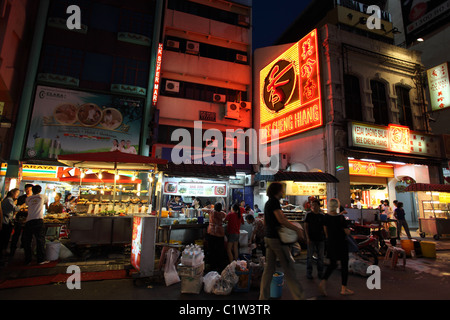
433 201
98 225
209 183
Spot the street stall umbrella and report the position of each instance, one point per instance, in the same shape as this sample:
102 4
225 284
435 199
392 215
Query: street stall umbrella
114 160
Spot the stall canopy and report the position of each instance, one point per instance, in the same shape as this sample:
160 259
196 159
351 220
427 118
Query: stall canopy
428 187
110 160
197 170
298 177
93 178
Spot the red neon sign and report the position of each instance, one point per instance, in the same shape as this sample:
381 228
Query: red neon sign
157 74
290 94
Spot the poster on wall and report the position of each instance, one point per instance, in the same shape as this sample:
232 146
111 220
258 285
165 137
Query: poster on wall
68 121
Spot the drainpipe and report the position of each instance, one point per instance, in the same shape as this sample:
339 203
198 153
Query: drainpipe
144 148
26 101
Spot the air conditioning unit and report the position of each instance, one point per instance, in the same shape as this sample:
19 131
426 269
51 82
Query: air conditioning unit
283 158
219 98
249 180
172 44
172 86
245 105
262 185
242 58
232 111
192 47
244 20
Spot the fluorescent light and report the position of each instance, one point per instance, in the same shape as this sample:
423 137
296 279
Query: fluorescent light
395 162
420 40
371 160
350 158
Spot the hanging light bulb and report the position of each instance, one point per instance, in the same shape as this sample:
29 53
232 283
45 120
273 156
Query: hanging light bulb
100 175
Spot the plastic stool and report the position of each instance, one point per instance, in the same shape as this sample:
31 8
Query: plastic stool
393 254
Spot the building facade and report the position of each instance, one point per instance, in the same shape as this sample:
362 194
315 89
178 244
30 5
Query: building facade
374 134
87 89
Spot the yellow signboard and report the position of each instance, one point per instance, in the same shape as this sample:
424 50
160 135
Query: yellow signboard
444 197
305 189
370 169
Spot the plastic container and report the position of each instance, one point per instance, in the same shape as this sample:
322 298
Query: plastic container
276 287
428 249
244 282
408 246
52 250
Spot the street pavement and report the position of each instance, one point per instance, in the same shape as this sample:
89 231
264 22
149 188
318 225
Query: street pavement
423 279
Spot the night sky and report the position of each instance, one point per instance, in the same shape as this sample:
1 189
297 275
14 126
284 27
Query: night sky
272 17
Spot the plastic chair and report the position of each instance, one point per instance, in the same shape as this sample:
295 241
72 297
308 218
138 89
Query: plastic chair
392 256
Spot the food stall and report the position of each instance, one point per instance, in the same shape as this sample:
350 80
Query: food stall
433 201
209 183
299 188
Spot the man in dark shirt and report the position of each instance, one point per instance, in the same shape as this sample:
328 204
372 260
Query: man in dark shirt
176 204
19 222
315 236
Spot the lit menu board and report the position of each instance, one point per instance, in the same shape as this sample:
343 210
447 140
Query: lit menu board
194 189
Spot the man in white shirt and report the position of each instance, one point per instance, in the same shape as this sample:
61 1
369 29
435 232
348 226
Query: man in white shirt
34 225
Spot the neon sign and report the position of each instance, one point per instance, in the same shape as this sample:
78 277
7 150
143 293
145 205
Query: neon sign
371 169
157 74
399 138
290 94
439 84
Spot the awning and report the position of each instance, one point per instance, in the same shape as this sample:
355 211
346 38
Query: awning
428 187
197 170
390 156
110 160
298 177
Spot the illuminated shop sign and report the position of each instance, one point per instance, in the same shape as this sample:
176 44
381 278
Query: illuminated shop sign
290 90
157 74
370 169
394 138
439 84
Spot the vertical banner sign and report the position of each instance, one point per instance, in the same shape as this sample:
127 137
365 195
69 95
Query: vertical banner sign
290 90
439 84
157 74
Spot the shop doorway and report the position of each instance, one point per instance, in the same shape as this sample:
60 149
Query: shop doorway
408 204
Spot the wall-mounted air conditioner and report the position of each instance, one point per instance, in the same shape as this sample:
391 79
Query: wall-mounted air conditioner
219 98
172 86
192 47
242 58
172 44
232 111
245 105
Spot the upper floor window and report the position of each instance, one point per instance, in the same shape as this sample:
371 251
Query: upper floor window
62 61
131 72
379 101
404 106
136 22
353 105
207 12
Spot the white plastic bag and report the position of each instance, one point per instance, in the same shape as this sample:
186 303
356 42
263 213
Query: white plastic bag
210 281
227 281
65 253
358 266
170 271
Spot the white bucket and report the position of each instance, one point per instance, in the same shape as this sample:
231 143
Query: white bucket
52 250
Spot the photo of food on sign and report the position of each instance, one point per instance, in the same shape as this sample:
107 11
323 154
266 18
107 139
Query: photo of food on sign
67 122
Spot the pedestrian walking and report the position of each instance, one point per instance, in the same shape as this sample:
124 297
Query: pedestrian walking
34 227
399 214
275 249
336 232
315 237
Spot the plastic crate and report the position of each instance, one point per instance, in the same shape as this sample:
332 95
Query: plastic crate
244 283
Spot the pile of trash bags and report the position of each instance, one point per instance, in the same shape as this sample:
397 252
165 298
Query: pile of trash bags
356 265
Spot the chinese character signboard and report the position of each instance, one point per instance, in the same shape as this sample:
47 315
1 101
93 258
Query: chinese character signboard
290 90
370 169
394 138
439 84
68 121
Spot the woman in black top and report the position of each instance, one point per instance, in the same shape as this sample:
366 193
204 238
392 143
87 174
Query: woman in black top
336 232
275 249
